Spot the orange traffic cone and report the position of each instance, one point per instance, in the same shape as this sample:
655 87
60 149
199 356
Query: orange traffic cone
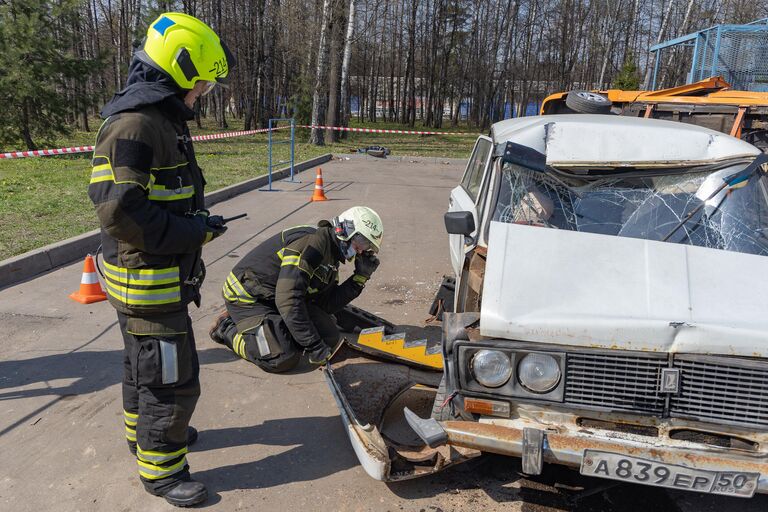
90 288
319 194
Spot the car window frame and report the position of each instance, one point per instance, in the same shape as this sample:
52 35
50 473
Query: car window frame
468 172
489 193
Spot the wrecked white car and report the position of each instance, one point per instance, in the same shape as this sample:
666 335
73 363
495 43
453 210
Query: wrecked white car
611 282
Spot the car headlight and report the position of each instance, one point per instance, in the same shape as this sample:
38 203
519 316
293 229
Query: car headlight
491 368
539 373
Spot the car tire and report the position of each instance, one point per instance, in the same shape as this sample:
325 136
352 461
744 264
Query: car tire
439 412
586 102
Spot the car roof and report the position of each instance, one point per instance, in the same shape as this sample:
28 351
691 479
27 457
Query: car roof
586 140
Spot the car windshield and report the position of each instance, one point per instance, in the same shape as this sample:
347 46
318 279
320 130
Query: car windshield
648 207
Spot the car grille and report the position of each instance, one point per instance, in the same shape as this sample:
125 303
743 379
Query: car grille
721 389
712 388
626 382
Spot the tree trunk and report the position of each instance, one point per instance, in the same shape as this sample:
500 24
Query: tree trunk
333 84
411 110
25 134
345 100
652 61
318 99
683 30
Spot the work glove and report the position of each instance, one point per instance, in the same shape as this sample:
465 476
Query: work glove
213 224
365 265
320 355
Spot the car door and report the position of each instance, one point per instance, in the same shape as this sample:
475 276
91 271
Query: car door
464 198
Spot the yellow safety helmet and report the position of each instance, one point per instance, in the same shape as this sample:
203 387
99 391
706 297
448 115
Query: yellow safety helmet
187 50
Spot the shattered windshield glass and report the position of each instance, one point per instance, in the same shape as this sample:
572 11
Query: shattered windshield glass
648 207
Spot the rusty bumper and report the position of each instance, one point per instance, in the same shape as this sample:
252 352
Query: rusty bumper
370 396
567 448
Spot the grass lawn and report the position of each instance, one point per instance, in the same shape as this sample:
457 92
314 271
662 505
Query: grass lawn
44 199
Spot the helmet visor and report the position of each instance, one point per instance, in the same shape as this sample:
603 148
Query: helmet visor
362 244
209 87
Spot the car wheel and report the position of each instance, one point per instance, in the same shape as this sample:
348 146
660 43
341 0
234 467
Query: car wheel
586 102
439 412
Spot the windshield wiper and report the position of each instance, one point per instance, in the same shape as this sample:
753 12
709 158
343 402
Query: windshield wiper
730 181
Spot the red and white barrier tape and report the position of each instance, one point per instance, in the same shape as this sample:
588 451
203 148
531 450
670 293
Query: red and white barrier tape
88 149
235 134
215 136
379 130
46 152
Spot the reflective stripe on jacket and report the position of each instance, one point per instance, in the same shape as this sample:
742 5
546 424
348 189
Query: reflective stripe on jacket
290 269
144 181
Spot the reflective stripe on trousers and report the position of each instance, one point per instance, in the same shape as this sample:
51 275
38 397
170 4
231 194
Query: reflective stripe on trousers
130 419
154 465
257 334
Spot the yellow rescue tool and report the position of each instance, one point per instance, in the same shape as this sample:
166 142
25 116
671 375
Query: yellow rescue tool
394 346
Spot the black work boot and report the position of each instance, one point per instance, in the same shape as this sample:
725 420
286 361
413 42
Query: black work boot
191 438
187 494
219 329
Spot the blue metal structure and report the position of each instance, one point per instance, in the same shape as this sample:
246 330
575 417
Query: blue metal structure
738 53
271 142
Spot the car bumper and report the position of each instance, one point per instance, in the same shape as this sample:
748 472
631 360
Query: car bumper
379 456
535 443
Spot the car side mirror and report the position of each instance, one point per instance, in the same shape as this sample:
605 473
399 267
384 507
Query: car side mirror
459 223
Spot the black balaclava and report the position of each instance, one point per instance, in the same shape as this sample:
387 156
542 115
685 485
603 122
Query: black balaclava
145 86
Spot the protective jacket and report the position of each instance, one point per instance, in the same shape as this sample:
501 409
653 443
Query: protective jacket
145 182
290 270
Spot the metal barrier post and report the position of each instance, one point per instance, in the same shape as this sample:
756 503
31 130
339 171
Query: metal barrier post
273 126
269 153
656 64
716 52
293 139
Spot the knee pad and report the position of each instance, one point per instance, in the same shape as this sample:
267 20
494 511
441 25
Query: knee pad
281 363
270 346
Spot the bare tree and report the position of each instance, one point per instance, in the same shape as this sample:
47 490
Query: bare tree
345 103
318 99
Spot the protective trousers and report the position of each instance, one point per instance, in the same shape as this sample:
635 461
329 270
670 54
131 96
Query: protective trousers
160 390
258 334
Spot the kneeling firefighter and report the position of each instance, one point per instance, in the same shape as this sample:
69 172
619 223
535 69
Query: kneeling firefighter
281 295
148 192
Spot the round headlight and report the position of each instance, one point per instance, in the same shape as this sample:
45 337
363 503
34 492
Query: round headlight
491 368
539 373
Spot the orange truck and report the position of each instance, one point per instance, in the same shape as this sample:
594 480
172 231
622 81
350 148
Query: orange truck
710 103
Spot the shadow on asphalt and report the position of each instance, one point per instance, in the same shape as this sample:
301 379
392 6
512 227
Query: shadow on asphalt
87 371
314 453
92 371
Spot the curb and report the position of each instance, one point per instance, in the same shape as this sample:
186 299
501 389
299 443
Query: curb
37 261
397 158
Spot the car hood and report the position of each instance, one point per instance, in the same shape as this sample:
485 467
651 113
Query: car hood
571 288
592 140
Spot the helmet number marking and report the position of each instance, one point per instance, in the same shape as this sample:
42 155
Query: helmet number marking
220 67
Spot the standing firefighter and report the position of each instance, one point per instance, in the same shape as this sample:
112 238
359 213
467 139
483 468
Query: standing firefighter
281 295
148 192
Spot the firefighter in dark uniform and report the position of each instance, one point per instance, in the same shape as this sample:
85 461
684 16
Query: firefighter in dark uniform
281 295
148 192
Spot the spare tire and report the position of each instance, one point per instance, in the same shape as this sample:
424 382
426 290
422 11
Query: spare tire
586 102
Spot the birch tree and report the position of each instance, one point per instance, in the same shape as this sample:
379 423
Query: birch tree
318 99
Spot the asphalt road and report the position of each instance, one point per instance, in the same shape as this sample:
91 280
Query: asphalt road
267 442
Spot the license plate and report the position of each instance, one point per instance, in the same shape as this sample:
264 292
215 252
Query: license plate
649 472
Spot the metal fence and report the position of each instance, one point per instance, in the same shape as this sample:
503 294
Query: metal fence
738 53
